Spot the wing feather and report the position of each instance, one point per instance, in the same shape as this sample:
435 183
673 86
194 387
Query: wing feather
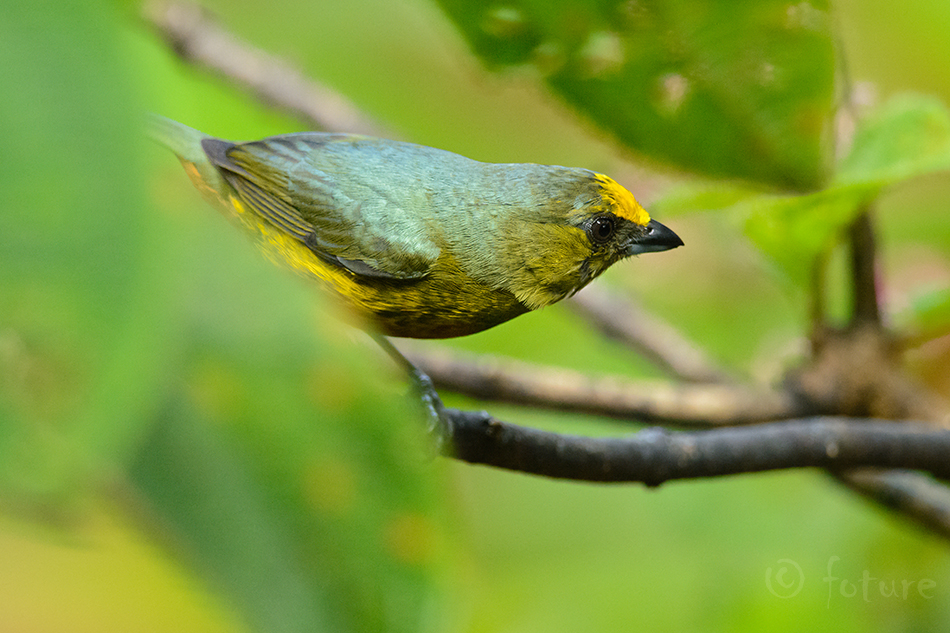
316 196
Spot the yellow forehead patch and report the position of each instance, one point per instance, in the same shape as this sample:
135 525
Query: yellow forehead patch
621 201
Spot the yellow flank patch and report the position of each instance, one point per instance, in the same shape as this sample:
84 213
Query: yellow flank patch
288 251
621 201
238 205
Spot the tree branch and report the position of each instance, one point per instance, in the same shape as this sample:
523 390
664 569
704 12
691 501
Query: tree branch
506 380
654 455
199 40
622 319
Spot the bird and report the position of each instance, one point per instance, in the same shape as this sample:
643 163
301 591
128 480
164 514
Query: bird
418 242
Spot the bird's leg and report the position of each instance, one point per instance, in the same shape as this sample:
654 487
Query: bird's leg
438 422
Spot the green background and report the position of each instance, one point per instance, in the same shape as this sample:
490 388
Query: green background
189 444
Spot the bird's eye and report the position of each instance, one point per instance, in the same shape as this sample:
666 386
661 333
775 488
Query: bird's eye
601 229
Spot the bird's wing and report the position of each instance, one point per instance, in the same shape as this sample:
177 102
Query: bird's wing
326 204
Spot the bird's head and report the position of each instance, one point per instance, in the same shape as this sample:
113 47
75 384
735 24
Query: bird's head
588 226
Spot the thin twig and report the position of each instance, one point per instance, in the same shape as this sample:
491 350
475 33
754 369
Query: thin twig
816 302
200 40
506 380
916 496
655 455
626 321
864 271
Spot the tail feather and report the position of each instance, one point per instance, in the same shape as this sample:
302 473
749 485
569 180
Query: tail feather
178 137
185 142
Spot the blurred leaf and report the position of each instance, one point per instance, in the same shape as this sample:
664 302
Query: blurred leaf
931 314
794 230
294 479
725 88
690 197
287 476
84 330
909 136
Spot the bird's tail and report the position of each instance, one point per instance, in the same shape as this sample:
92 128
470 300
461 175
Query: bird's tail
185 142
178 137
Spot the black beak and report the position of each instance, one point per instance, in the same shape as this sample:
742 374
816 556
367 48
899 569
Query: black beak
657 238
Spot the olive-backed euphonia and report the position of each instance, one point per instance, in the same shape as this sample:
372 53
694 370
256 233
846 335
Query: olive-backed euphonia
423 242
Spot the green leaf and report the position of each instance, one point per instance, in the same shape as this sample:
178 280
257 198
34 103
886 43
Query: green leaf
690 197
724 88
254 441
909 136
84 331
290 473
794 230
